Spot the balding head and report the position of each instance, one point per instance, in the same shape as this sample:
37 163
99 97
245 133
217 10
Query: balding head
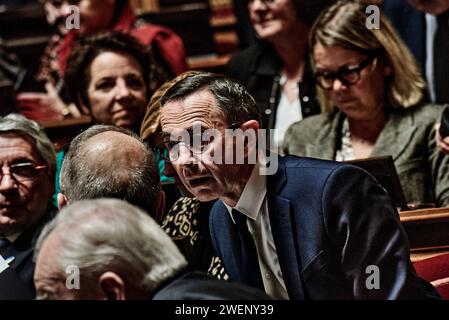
107 161
118 151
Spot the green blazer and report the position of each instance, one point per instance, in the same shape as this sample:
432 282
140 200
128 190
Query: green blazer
408 136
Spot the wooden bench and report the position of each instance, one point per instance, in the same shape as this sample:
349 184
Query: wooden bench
427 231
61 132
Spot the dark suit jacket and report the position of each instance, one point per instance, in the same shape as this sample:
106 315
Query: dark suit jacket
408 136
199 286
329 221
21 271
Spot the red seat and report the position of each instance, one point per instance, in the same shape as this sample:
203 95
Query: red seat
436 271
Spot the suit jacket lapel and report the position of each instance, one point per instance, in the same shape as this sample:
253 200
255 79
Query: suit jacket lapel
20 249
283 233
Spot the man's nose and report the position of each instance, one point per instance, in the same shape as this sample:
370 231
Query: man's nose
185 156
7 183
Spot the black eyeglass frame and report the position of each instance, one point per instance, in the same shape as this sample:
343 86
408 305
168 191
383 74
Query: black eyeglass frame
340 73
161 149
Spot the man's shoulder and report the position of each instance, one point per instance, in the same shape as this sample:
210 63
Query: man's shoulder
295 164
199 286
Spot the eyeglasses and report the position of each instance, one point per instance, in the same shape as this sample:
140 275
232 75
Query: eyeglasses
263 1
347 75
24 171
197 144
58 3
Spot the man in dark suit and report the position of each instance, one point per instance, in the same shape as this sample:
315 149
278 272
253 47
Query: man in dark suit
311 229
109 249
424 27
28 166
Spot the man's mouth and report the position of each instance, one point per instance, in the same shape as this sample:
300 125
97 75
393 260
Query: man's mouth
195 182
10 207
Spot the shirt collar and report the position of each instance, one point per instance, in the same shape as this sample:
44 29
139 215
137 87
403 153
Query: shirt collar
13 237
253 195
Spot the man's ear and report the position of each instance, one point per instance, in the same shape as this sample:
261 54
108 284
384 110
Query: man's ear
111 286
251 129
62 201
162 202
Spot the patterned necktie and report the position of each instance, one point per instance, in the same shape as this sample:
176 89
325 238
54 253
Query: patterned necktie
441 59
4 244
248 253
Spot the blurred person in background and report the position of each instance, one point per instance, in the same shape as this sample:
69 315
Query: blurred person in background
371 92
27 171
96 16
109 79
276 68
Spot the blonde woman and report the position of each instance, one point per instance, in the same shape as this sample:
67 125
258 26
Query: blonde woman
370 90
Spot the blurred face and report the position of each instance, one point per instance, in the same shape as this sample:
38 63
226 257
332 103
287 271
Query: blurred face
22 203
272 18
50 280
435 7
363 100
200 173
117 91
89 10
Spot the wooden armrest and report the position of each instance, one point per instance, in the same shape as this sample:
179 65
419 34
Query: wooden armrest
427 229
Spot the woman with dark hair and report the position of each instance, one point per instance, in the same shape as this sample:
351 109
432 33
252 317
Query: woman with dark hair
275 70
108 77
98 16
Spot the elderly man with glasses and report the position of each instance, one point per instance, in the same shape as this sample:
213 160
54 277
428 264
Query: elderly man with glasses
27 170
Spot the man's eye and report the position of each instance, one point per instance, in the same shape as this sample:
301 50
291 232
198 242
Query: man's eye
23 169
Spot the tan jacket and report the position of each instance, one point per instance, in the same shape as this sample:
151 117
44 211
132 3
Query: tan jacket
408 136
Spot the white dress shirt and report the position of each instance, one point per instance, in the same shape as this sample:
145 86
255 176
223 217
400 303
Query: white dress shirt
286 113
253 203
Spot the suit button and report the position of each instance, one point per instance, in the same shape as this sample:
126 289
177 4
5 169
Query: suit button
307 110
267 111
268 276
272 100
277 78
305 99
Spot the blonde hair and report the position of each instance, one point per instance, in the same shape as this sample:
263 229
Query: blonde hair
344 25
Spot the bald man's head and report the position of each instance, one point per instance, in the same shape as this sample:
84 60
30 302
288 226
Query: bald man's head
111 162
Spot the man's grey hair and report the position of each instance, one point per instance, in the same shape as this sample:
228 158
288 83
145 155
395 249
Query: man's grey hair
105 235
16 123
81 179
